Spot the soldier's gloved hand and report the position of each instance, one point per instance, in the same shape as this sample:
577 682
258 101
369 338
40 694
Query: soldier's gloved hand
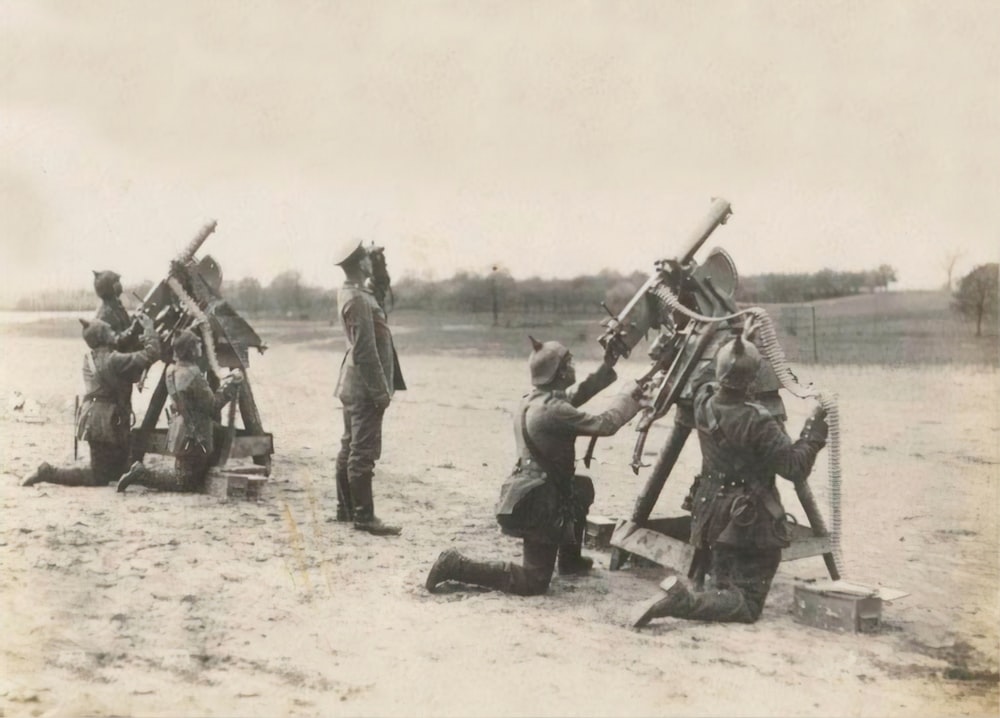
382 402
610 355
816 428
145 322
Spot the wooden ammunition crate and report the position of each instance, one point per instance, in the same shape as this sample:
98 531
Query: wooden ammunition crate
833 610
599 530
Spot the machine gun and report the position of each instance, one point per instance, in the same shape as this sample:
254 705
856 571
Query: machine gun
189 298
694 310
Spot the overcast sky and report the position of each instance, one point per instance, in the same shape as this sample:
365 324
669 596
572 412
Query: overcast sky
555 138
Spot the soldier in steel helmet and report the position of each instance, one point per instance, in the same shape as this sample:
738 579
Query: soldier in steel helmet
737 514
106 411
369 376
543 501
111 311
194 415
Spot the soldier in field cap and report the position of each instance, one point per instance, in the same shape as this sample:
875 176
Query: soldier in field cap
369 376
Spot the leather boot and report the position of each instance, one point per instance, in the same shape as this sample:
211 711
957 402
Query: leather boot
373 525
46 473
42 473
140 475
673 600
453 566
570 560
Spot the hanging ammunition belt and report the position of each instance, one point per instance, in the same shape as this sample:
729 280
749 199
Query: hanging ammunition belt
192 308
775 355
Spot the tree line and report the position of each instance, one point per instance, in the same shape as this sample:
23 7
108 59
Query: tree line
496 292
287 295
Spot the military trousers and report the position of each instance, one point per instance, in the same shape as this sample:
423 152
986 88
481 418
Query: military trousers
360 447
107 462
740 579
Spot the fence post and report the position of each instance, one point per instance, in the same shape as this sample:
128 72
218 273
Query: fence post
815 350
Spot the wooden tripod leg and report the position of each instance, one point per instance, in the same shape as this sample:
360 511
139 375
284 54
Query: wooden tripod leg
251 420
644 504
140 436
816 522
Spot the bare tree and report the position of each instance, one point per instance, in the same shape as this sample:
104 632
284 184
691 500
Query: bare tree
949 262
976 297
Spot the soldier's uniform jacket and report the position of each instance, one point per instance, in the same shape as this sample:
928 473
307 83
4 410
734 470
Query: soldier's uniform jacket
108 376
743 447
554 421
195 408
368 370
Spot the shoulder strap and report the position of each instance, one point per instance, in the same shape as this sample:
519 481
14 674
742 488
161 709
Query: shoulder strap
735 455
535 452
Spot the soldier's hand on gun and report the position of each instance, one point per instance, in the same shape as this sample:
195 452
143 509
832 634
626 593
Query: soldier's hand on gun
145 322
235 377
816 427
640 392
610 355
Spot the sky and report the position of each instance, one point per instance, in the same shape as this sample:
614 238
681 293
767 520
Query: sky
552 138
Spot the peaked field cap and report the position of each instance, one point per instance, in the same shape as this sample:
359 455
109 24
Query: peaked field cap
347 250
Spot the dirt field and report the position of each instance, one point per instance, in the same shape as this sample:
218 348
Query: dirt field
164 605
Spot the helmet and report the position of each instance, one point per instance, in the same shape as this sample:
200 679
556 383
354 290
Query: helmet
347 251
545 360
104 283
736 364
186 345
97 333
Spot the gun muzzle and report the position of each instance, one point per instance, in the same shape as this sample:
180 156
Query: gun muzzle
718 213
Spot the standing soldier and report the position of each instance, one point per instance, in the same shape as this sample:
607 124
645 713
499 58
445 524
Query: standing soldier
544 502
737 513
191 434
365 387
108 286
106 412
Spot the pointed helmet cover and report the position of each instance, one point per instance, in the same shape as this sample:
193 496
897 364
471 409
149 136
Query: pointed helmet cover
545 360
104 283
185 345
737 363
97 333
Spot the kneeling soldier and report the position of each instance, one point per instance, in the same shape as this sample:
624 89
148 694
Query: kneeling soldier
106 412
190 437
737 513
543 501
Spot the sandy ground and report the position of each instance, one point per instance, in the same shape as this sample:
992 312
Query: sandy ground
165 605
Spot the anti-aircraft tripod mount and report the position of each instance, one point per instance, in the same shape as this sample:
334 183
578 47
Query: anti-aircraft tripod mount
693 309
189 298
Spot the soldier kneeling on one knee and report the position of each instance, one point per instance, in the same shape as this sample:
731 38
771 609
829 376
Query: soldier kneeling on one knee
190 437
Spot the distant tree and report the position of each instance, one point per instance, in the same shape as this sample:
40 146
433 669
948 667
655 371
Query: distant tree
287 293
976 296
949 262
884 276
248 295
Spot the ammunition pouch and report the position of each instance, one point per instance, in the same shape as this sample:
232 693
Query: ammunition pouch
756 518
103 421
531 505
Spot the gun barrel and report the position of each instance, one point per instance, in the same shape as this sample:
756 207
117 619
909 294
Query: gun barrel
718 213
195 244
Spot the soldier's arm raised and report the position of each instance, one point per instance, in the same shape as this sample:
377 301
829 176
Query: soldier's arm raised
623 407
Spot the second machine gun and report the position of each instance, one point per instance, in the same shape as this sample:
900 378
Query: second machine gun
189 298
692 307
